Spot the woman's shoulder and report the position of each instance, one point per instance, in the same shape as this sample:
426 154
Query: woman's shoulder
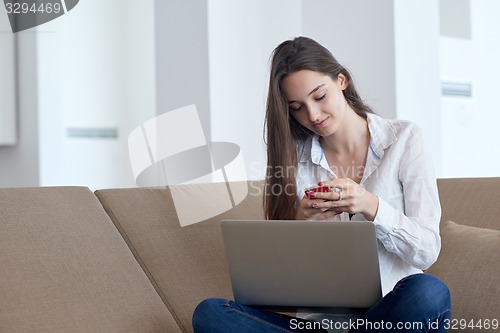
397 127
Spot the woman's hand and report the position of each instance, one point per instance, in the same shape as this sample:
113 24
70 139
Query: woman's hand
309 210
350 197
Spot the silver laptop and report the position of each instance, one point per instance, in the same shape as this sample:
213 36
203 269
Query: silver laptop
303 263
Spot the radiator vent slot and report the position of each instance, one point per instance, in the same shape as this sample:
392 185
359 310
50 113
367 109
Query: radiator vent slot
92 133
456 89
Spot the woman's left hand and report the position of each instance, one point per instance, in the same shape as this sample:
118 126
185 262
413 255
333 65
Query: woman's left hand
349 197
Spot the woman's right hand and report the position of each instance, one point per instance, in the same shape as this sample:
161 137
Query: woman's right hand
308 210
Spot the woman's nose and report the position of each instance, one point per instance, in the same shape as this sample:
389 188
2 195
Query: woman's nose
313 113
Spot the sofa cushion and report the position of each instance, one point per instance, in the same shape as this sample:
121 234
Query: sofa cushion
186 264
470 265
471 201
65 268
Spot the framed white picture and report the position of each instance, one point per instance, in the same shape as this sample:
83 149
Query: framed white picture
8 126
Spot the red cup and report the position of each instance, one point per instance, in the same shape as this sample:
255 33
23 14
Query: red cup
317 189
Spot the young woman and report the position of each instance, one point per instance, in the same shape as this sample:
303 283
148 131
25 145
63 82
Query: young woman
321 133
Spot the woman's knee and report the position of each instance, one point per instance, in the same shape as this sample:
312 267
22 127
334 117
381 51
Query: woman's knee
210 304
428 288
426 282
207 309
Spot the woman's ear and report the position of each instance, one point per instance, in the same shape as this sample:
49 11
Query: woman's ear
343 81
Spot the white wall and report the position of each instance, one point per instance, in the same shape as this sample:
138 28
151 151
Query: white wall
95 70
418 88
182 57
8 124
242 35
470 126
360 34
214 54
19 162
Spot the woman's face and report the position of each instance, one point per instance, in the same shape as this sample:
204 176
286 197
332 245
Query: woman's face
316 100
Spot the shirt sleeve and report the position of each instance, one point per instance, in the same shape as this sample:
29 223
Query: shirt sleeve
414 234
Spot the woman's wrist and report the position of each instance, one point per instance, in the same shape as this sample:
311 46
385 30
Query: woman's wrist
370 212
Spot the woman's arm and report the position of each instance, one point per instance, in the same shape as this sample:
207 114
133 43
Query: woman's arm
414 235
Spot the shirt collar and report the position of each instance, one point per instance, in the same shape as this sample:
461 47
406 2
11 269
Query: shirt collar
310 150
382 134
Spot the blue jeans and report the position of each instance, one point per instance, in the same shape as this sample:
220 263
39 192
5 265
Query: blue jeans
418 303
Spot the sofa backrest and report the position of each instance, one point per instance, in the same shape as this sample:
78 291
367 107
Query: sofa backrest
65 268
468 263
185 264
471 201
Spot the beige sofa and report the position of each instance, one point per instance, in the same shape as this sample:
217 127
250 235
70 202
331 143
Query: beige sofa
117 260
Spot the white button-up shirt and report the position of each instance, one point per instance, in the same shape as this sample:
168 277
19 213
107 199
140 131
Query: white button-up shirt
399 171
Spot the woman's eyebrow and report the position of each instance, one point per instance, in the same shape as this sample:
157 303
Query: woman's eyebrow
315 89
312 92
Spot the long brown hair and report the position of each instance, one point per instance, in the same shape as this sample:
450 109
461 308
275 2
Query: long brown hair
282 131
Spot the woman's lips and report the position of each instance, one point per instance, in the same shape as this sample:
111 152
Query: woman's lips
321 123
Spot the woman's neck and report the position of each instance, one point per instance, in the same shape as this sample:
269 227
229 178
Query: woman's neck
351 135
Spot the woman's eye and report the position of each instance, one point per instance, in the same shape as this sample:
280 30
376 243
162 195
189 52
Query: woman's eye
296 108
320 98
